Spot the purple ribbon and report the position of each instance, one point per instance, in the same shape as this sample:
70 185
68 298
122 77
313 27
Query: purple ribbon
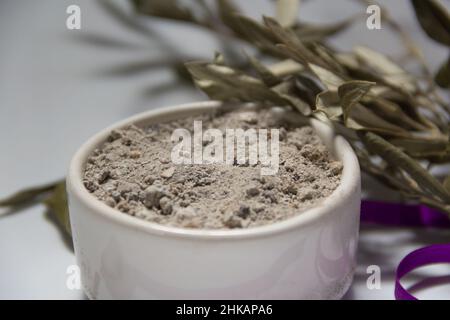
404 215
394 214
438 253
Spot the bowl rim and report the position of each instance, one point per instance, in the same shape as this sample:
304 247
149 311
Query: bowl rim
349 185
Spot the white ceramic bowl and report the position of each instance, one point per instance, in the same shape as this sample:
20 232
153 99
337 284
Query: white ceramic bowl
309 256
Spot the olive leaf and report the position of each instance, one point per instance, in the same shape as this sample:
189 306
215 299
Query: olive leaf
422 147
326 55
358 116
351 93
362 118
289 92
447 183
434 19
328 78
398 159
392 112
287 11
289 42
169 9
286 67
106 42
224 83
57 204
329 103
442 77
228 84
228 12
308 32
137 67
264 73
257 34
126 20
53 195
386 68
27 196
307 87
244 27
443 158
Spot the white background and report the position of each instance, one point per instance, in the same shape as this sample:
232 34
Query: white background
55 92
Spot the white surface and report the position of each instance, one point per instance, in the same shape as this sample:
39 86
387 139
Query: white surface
53 96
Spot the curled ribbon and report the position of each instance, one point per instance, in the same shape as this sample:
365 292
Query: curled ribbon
438 253
393 214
